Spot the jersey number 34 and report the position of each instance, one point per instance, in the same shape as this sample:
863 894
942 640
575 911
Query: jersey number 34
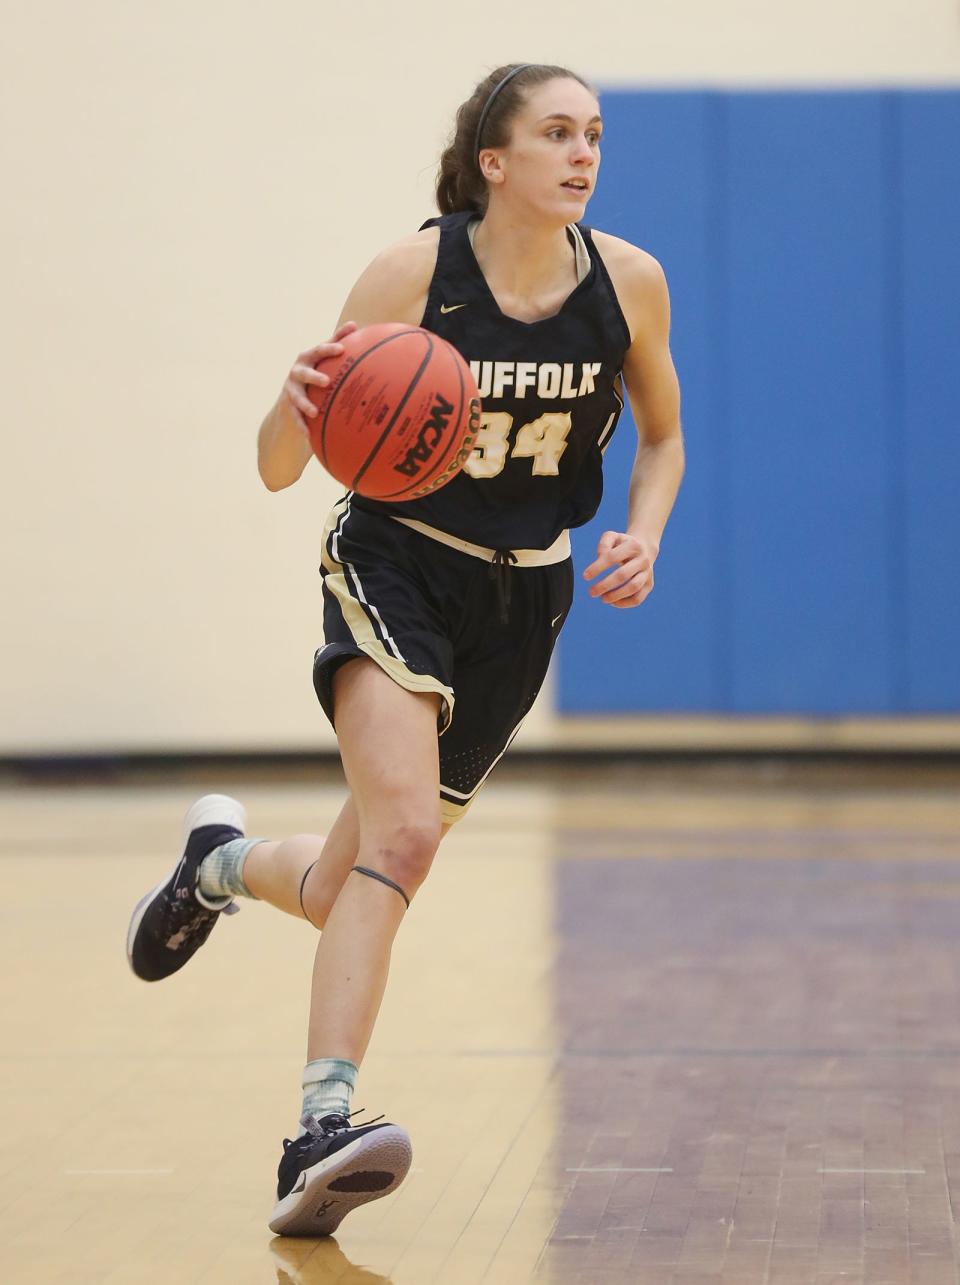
544 440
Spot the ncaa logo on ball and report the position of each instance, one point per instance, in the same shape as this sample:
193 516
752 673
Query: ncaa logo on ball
463 452
427 439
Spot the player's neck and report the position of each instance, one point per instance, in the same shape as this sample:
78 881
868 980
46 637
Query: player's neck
522 260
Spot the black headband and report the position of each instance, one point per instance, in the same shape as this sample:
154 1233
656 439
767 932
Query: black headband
493 98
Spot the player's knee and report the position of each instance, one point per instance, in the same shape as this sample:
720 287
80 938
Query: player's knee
406 853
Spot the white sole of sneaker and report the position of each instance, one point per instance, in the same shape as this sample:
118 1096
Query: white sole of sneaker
211 809
367 1169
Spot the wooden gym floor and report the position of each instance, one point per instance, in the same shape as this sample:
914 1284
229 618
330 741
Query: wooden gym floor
644 1025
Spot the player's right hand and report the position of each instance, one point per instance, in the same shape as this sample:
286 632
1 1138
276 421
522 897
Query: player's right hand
303 372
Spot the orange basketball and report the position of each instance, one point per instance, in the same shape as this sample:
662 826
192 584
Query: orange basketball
399 416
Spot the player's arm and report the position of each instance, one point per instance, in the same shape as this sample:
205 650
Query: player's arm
393 288
654 392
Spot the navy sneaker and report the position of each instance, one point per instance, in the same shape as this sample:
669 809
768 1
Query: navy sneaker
332 1169
173 920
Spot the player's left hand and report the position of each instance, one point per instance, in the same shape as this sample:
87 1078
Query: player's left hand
632 580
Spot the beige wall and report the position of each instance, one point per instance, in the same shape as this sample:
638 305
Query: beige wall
189 191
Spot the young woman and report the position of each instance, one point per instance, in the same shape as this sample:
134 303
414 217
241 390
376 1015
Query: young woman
440 614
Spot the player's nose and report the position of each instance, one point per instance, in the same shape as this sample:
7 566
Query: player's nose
582 151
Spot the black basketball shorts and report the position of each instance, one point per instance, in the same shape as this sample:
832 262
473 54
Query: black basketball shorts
439 619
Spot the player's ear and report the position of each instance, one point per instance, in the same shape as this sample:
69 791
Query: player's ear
490 167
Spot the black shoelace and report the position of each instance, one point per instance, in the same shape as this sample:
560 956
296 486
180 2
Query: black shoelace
500 565
325 1127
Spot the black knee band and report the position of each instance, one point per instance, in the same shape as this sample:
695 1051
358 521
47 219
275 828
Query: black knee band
375 874
302 885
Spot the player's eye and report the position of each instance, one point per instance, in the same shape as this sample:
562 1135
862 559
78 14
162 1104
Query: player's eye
557 132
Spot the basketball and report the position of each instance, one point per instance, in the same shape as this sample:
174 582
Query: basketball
399 416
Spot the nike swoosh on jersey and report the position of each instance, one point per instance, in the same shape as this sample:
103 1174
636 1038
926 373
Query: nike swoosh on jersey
452 308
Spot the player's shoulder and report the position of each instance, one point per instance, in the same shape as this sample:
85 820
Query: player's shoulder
637 277
412 256
629 261
394 285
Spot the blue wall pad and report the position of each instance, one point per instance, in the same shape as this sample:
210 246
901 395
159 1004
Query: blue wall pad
809 241
927 595
657 189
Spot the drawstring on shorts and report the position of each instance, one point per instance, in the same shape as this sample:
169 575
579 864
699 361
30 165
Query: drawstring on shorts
500 565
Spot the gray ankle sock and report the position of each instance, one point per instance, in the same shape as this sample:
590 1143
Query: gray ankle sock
221 871
328 1084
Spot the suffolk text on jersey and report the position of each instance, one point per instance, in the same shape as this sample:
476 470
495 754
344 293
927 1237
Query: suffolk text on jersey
544 379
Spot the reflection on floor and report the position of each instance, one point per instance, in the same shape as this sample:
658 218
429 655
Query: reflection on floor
644 1025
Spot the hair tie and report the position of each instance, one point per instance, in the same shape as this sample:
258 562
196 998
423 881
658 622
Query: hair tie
493 98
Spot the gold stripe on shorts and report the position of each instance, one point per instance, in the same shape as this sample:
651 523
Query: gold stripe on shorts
450 813
342 581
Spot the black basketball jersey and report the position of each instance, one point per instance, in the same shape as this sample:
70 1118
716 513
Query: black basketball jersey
551 394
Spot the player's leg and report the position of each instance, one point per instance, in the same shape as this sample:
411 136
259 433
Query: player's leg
388 742
303 875
305 869
172 921
406 636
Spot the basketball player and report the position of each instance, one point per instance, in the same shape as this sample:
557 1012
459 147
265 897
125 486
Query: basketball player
440 614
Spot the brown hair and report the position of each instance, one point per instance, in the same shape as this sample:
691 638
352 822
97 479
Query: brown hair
460 183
